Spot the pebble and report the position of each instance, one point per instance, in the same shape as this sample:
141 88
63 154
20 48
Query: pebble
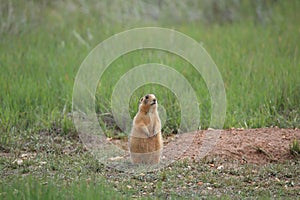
220 167
129 187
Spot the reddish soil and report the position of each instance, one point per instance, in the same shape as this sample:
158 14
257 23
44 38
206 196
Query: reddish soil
257 146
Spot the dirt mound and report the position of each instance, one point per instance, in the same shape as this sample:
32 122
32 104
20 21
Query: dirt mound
259 146
247 145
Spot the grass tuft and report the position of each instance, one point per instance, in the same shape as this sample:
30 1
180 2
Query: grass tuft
295 148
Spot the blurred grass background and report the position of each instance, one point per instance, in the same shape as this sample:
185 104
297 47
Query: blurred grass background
255 44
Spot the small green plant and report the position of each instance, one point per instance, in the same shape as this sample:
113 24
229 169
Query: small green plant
295 148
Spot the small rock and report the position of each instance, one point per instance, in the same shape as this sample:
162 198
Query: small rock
203 192
200 183
24 155
116 158
18 161
220 167
128 186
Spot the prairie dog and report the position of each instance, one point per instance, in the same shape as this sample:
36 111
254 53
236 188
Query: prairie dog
145 142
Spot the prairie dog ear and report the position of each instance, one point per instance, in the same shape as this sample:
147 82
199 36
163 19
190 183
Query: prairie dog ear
146 99
141 100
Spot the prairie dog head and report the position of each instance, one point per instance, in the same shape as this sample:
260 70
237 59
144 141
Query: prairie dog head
148 103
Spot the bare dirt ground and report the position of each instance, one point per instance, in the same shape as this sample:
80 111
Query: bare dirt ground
258 146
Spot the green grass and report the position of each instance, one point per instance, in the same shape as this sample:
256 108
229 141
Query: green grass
295 147
259 65
78 176
30 188
43 43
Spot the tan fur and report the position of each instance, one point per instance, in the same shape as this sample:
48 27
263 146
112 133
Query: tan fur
145 142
